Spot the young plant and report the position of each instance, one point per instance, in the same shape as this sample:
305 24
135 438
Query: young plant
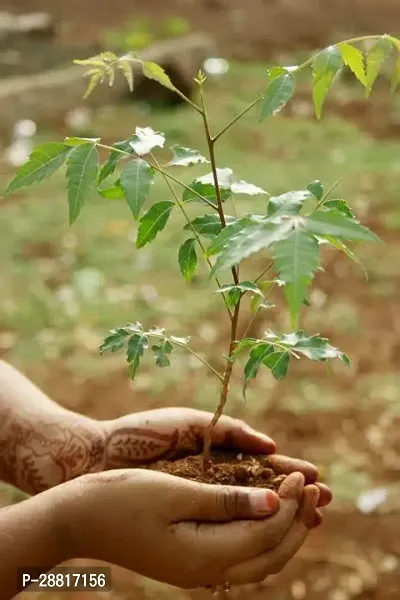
289 231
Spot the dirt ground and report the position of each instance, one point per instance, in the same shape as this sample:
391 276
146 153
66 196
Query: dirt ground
352 556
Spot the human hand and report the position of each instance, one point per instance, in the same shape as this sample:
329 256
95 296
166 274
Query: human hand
185 533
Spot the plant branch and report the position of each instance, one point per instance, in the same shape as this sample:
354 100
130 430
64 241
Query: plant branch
327 194
200 358
196 235
239 116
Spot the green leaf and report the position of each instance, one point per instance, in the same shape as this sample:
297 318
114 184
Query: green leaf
224 178
208 225
161 352
78 141
278 362
115 341
341 206
187 258
153 71
325 66
43 162
95 77
314 347
296 259
316 189
242 346
82 171
235 291
145 140
205 190
113 192
136 180
396 76
126 67
334 223
114 157
257 356
287 204
242 187
246 239
185 157
153 222
277 94
339 245
354 59
137 344
375 58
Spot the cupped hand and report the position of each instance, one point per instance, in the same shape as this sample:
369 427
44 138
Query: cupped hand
169 432
185 533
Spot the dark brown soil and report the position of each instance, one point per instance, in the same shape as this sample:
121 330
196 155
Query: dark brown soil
227 468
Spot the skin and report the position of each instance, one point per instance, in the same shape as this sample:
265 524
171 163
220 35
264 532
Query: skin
92 501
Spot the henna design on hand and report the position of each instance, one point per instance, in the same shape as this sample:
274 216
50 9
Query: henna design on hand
38 456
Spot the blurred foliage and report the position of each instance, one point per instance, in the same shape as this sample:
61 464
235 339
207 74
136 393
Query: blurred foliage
140 33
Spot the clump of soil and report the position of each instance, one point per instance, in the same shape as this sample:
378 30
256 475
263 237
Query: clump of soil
226 468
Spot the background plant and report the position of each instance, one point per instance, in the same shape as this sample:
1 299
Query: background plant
291 229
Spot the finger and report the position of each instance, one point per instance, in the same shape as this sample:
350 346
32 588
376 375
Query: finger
257 569
240 540
285 465
233 433
325 494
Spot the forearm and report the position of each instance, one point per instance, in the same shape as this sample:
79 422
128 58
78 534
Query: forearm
41 443
29 537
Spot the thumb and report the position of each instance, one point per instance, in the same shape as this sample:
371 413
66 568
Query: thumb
221 503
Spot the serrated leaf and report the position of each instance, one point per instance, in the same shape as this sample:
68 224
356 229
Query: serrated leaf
277 94
136 180
115 341
153 71
247 240
235 291
145 140
97 61
278 363
137 344
375 58
206 190
224 178
296 259
325 66
185 157
44 160
94 80
153 222
396 76
287 204
208 225
316 189
354 59
113 192
226 234
114 157
334 223
242 187
257 356
126 67
187 258
313 347
78 141
161 352
82 171
341 206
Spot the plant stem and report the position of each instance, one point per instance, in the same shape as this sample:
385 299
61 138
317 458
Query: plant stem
239 116
161 170
196 235
202 360
327 194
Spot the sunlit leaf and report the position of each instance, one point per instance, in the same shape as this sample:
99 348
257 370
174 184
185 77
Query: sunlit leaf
153 71
277 94
115 341
224 178
354 59
317 189
153 222
136 180
113 192
287 204
43 162
313 347
82 170
122 149
145 140
126 67
137 344
78 141
341 206
375 59
325 66
242 187
396 76
185 157
187 258
334 223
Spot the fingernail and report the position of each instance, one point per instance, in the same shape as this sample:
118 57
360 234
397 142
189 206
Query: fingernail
264 502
